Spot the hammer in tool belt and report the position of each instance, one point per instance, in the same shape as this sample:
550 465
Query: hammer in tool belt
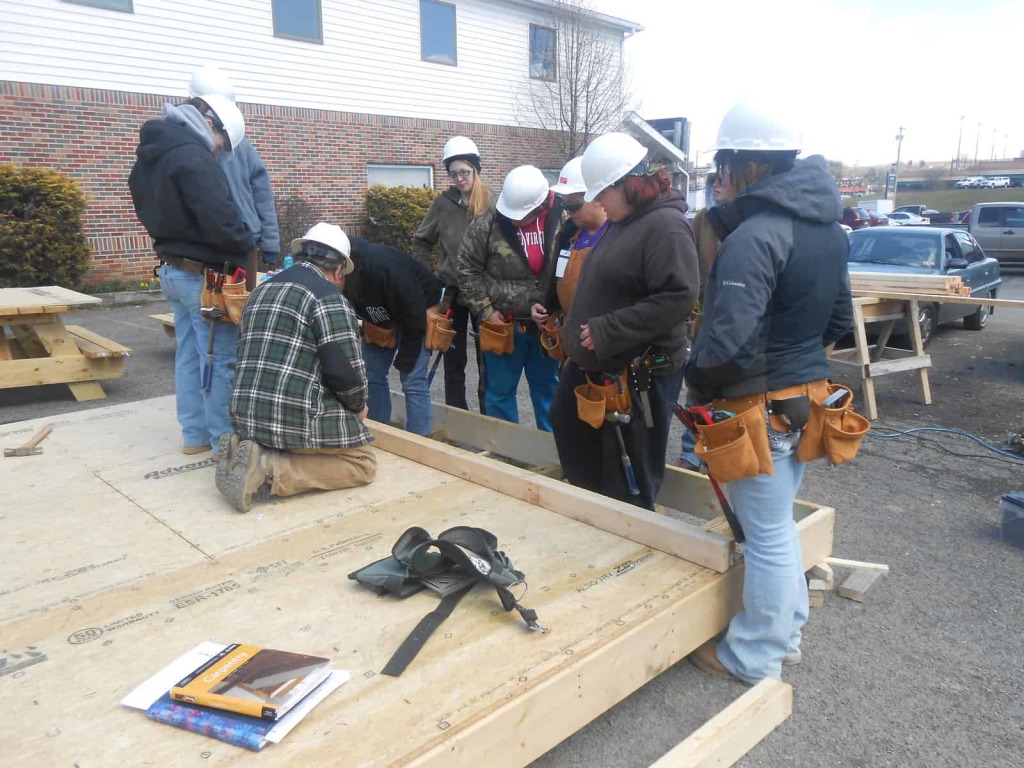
31 448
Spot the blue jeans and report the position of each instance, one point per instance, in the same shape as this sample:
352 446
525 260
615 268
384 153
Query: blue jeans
203 415
687 448
774 589
505 371
419 413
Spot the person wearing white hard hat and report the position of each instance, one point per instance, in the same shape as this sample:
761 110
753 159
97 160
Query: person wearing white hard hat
444 226
579 234
300 395
506 264
778 293
183 199
246 172
625 331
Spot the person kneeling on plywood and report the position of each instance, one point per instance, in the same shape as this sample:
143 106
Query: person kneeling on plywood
300 394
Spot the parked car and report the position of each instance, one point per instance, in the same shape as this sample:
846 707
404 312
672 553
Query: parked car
931 251
971 182
853 218
902 218
999 228
917 210
876 219
997 182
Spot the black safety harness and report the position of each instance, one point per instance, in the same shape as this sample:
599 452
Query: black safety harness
450 565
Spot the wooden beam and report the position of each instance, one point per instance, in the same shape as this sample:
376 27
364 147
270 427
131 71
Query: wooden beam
838 562
974 301
728 736
659 532
34 371
93 345
858 583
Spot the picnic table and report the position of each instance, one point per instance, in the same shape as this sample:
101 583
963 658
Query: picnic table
37 348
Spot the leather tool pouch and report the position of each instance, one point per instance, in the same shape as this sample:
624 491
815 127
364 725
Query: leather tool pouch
440 332
593 401
737 447
213 297
380 337
551 340
498 338
235 296
835 432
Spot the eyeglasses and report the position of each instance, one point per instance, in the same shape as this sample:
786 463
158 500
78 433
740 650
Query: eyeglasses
464 173
722 174
572 207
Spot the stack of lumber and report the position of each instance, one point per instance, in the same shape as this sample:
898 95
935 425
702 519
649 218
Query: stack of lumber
925 285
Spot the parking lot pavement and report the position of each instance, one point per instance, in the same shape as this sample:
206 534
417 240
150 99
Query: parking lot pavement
926 672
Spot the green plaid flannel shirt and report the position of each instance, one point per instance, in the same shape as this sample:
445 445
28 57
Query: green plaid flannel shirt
293 327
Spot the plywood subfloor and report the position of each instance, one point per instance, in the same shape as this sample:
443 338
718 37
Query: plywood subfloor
119 555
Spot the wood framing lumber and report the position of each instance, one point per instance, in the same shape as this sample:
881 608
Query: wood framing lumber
838 562
938 298
666 534
95 346
824 572
818 585
734 731
815 599
34 371
857 584
166 321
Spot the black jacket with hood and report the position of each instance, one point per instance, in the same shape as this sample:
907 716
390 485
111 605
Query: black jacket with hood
778 291
391 289
639 285
182 197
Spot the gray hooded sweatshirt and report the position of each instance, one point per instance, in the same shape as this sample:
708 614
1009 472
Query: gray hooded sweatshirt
778 291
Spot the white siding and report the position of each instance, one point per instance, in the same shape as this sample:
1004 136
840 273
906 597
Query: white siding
369 61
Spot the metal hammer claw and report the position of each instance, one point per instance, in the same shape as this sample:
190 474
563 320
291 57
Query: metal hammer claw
31 448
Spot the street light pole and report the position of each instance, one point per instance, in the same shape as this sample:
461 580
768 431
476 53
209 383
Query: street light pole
976 140
958 140
896 175
993 143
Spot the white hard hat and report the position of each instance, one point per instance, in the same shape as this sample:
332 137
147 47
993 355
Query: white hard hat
459 145
209 79
524 189
608 159
570 178
227 115
333 237
758 127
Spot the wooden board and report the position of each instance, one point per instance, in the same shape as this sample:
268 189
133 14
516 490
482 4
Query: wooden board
144 560
166 320
46 298
94 346
857 584
971 300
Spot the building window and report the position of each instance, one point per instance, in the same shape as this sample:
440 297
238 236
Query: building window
543 57
400 175
113 5
298 20
437 32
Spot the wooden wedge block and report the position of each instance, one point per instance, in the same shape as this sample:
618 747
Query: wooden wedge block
824 572
818 585
858 583
838 561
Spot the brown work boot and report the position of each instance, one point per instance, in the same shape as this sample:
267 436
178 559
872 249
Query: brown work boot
227 447
705 659
249 477
192 450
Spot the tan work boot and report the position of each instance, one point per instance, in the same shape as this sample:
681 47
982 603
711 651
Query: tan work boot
705 659
192 450
249 477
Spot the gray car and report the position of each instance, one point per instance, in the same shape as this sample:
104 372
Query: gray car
999 229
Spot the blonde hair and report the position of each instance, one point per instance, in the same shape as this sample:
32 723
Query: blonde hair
479 197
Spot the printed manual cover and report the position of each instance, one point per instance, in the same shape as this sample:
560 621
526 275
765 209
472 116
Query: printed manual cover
253 681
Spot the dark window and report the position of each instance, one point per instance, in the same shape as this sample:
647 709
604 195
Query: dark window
543 58
969 248
113 5
298 19
988 217
1014 217
437 32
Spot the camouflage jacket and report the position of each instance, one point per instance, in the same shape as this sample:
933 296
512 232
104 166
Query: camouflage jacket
493 271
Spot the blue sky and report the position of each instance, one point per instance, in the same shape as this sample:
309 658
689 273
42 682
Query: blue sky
851 73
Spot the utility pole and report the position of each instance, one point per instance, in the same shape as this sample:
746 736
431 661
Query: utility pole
896 174
976 140
1006 138
958 139
993 143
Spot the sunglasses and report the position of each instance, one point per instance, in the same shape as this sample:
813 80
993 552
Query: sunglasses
722 174
465 173
572 207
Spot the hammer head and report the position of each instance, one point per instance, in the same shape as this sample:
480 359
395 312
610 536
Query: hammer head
617 418
23 451
212 313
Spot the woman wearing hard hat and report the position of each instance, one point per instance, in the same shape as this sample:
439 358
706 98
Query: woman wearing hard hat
505 266
445 225
625 332
586 224
777 294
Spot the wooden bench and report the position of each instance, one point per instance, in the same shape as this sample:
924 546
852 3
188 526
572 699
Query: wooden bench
94 346
167 321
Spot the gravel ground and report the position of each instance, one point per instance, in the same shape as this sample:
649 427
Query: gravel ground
927 672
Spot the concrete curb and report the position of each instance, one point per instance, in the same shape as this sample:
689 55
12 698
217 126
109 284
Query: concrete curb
130 297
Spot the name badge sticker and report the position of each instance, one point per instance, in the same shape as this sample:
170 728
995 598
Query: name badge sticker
563 262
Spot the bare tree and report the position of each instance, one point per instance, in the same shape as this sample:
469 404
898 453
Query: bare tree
580 87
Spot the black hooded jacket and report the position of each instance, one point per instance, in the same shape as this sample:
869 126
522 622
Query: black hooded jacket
779 289
390 288
182 198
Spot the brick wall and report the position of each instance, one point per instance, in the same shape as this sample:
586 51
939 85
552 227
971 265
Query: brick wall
320 155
